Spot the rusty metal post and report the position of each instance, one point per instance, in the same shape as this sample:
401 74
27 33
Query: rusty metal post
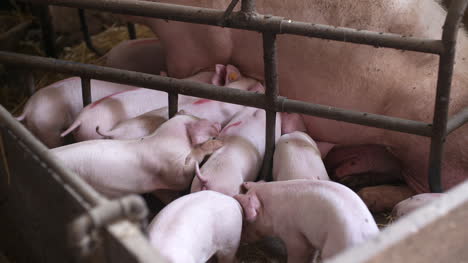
173 103
47 30
85 31
444 82
271 93
86 91
131 31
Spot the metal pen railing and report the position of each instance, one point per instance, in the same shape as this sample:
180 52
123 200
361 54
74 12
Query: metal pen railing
270 26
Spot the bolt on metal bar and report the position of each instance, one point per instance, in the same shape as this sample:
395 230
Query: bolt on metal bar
131 31
444 83
85 31
248 6
173 103
271 93
48 32
46 156
255 23
212 92
86 91
457 120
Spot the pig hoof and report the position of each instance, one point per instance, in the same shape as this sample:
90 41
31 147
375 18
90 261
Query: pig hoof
383 198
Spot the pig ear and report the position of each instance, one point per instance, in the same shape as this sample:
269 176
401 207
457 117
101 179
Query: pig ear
257 87
247 185
219 76
232 74
203 179
212 145
202 130
250 205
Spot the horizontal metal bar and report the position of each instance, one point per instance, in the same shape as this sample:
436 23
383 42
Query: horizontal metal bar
76 183
273 24
362 118
457 120
213 92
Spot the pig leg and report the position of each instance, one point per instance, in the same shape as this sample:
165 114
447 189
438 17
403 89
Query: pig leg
142 55
362 165
409 205
383 198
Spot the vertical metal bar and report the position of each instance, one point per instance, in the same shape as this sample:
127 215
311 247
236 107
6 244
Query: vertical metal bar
131 30
85 31
444 82
248 6
271 93
47 30
86 91
173 103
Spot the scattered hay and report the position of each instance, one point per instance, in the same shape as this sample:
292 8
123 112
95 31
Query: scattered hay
103 42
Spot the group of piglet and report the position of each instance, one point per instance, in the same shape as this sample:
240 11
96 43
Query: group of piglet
128 145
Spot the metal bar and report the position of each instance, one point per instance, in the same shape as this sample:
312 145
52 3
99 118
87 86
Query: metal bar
86 91
271 93
173 103
47 30
131 31
49 159
457 120
85 31
83 230
212 92
228 12
255 23
248 6
444 82
356 117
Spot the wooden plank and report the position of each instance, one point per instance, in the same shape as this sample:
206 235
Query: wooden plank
437 232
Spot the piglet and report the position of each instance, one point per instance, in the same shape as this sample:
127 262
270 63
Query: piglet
212 110
196 227
241 157
306 215
298 157
165 160
107 112
409 205
53 108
